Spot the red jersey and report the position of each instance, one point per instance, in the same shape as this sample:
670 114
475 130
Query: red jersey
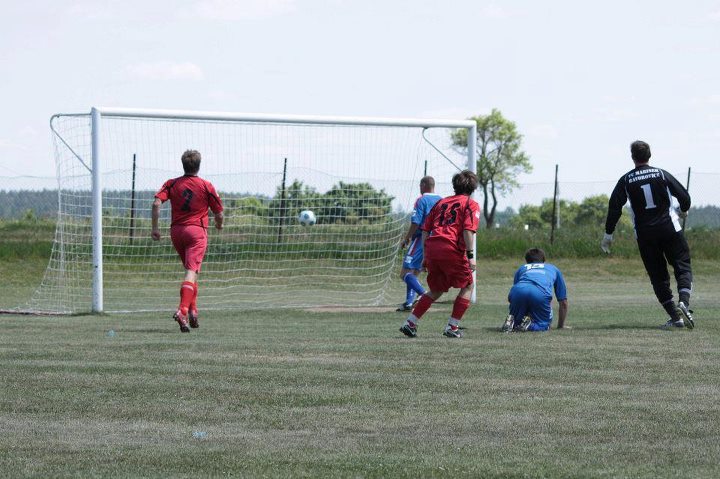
448 219
190 197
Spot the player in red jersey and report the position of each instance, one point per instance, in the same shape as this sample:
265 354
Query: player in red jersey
190 197
448 235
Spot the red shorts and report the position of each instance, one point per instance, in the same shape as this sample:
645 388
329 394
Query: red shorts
190 242
447 269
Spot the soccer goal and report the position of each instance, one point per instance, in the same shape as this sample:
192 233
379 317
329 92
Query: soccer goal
358 176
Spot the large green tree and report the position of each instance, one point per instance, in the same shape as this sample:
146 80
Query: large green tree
500 158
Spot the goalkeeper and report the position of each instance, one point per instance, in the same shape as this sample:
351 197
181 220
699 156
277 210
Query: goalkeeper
190 198
658 230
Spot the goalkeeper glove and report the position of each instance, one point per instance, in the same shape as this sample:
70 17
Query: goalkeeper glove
606 242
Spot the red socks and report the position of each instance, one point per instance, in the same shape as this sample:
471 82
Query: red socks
187 293
422 306
193 302
459 307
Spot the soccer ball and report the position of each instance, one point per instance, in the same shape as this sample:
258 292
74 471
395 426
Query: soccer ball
307 218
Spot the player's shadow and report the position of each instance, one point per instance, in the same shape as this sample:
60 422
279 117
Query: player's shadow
490 329
621 326
169 330
584 327
496 329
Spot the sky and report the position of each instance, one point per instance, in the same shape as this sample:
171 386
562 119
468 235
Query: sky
581 80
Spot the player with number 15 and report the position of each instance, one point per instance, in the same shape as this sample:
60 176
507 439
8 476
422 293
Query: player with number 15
448 236
190 198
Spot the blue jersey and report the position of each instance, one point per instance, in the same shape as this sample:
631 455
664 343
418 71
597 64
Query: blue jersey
423 205
545 276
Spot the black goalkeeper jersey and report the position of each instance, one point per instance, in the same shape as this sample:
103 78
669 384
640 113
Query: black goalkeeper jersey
650 191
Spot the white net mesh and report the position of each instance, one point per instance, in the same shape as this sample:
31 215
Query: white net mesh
360 181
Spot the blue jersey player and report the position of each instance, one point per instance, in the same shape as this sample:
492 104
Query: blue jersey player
531 295
412 262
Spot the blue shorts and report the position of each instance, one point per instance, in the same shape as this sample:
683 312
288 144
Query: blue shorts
414 256
527 300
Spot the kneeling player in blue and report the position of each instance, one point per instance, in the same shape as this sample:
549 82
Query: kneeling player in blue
531 295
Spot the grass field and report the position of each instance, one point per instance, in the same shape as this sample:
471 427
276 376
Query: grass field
290 393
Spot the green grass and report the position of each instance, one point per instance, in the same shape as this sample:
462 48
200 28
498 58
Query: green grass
290 393
23 239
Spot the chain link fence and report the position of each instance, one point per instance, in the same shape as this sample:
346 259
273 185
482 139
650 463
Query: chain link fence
568 219
585 203
528 206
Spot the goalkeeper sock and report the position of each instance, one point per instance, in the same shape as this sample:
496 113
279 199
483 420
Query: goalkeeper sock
671 309
414 284
187 290
685 297
459 307
422 306
193 302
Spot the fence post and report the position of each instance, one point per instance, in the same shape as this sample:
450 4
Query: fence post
282 204
687 187
555 212
132 202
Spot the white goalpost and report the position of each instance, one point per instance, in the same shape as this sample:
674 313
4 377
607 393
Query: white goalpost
359 176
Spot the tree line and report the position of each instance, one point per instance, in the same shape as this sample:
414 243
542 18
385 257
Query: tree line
344 203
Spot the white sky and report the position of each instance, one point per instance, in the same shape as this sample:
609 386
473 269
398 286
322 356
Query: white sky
581 79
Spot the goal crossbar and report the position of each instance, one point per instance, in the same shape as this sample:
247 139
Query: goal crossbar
288 119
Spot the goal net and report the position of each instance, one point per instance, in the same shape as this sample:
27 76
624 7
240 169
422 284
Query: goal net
360 177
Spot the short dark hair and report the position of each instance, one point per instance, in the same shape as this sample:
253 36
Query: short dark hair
535 255
640 151
428 182
465 182
191 161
